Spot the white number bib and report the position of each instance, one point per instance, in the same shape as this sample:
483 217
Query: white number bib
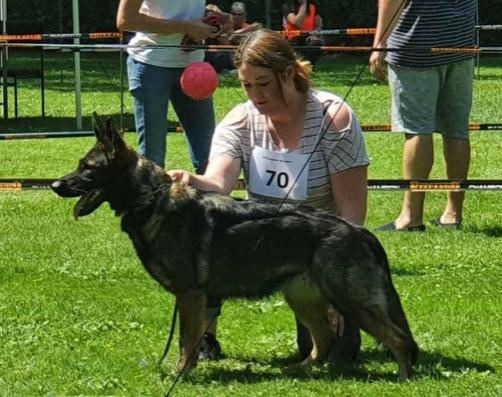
274 174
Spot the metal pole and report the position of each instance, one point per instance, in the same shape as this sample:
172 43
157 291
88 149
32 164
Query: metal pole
3 60
122 84
477 37
78 85
61 40
268 22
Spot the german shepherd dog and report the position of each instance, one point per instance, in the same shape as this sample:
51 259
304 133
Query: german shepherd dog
197 244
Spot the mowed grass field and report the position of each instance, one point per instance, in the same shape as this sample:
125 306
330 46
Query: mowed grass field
80 316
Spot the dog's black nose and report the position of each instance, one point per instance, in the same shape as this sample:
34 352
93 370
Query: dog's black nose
58 187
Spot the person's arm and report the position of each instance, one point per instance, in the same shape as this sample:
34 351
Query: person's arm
318 22
389 12
298 18
130 19
249 28
350 186
221 175
350 191
225 165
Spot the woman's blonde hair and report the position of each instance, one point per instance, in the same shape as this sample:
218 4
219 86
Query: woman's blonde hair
268 49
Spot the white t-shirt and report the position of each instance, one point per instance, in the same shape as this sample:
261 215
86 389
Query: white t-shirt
329 152
167 57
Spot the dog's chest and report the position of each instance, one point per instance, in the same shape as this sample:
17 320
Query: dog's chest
169 246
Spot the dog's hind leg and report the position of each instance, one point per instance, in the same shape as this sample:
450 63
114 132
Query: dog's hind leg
305 299
191 312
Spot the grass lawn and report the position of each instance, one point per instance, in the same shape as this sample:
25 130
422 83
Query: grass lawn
80 316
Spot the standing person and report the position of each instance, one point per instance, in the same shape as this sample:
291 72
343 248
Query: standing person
303 15
154 74
430 92
292 143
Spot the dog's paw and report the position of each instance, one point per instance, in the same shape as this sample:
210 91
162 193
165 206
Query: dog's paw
184 365
300 368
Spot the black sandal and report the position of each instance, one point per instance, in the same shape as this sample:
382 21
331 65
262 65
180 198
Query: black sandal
450 226
391 227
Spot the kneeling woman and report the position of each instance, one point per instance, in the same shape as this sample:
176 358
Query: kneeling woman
294 144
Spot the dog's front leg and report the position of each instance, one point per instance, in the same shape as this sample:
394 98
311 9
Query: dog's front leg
191 305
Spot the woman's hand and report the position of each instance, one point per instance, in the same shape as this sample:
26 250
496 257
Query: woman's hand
335 321
199 30
378 66
181 176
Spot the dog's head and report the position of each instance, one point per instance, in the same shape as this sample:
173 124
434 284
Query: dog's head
96 170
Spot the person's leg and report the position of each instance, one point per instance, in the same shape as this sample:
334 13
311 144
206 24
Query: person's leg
314 41
347 346
198 121
210 347
418 155
457 154
414 97
150 87
454 108
303 339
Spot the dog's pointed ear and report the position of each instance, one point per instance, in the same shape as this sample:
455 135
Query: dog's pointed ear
99 129
113 134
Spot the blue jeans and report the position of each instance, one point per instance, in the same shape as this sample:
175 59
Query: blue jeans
152 88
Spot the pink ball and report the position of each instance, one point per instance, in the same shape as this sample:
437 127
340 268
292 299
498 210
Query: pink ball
199 80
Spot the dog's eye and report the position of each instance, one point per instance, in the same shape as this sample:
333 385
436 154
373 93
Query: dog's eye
87 164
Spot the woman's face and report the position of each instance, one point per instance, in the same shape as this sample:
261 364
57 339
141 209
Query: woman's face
263 88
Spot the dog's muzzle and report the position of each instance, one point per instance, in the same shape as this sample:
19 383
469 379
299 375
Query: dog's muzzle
61 188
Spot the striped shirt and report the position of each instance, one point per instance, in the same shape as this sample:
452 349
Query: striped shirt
432 23
336 151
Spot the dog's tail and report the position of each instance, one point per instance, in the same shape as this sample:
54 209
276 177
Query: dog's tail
353 274
394 306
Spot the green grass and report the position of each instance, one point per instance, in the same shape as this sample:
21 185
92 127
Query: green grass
80 316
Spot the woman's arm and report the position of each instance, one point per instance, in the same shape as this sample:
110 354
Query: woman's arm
318 22
298 18
130 19
350 191
221 175
389 12
350 186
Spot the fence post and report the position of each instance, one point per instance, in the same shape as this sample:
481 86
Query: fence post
78 85
3 60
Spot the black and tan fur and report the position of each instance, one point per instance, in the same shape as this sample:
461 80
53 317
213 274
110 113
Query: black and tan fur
196 243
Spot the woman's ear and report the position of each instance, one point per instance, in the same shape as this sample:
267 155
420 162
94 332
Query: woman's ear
289 73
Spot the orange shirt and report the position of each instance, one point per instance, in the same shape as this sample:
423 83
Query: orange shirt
308 23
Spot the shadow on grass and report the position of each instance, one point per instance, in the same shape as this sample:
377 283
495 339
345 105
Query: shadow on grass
431 365
56 124
489 231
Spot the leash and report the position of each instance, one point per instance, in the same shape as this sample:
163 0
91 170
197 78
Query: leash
183 369
170 337
323 133
192 353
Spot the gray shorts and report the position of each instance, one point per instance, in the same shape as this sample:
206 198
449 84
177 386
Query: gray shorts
435 99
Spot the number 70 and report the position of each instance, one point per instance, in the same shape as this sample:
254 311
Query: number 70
279 178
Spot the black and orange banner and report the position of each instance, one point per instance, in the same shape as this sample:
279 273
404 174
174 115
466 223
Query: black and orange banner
179 129
62 134
425 185
218 48
111 35
472 127
60 36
